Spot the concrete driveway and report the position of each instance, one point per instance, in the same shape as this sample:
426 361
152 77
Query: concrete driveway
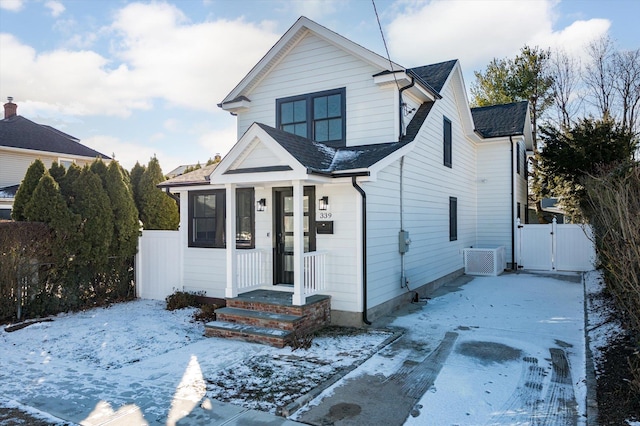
486 351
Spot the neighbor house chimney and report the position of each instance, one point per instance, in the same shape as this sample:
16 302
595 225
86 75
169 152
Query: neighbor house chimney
10 109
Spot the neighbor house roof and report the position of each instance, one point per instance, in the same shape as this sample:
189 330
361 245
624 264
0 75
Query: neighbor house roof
500 120
19 132
196 177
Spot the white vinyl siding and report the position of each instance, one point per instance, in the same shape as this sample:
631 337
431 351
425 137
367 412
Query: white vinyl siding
314 65
427 186
14 165
494 193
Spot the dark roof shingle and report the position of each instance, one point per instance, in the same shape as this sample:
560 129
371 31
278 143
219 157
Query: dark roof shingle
19 132
435 75
500 120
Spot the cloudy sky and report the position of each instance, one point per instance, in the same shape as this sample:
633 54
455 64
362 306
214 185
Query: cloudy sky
136 79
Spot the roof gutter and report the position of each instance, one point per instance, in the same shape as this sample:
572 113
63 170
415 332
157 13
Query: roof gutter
400 106
364 249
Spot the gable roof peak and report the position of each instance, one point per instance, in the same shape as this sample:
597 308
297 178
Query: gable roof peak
289 39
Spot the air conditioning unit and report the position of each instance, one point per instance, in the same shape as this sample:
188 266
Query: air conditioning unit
489 261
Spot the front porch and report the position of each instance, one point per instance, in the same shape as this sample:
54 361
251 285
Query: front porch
270 317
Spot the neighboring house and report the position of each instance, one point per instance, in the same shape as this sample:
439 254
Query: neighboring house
353 177
22 141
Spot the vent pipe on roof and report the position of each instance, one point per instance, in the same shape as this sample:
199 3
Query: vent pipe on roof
10 109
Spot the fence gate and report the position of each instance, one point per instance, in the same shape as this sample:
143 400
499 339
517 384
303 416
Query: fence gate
555 247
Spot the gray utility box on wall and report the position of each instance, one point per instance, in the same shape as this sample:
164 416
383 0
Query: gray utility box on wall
403 241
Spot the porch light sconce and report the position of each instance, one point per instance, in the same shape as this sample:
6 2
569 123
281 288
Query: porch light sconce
261 205
323 203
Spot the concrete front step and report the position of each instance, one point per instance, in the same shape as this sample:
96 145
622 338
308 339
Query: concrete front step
259 318
248 333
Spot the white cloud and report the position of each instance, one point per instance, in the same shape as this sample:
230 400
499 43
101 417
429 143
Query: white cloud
188 64
12 5
171 124
312 9
55 7
218 141
157 54
127 153
477 31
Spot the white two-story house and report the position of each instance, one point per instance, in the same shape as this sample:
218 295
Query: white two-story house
353 177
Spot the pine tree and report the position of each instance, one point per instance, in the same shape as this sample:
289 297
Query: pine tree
35 171
57 171
125 215
157 209
49 206
134 177
91 203
98 167
66 182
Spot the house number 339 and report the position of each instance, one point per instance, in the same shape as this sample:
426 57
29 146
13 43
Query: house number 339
324 215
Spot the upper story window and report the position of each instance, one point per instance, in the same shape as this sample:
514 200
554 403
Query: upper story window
446 141
65 162
319 116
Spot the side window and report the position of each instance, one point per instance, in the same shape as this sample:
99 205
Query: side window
518 158
206 218
318 116
453 218
446 132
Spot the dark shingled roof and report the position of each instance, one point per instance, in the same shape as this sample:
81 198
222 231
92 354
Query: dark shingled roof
500 120
320 158
19 132
434 75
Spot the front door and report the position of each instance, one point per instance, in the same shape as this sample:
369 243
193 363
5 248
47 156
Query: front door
283 249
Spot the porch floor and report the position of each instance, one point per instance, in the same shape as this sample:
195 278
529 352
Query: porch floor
272 297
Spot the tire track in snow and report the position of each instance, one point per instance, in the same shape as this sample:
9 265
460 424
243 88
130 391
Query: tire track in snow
523 405
560 408
417 378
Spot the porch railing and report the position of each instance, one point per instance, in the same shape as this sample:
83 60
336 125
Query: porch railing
252 266
315 273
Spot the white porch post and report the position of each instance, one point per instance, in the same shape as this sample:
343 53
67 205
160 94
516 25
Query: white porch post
230 238
298 243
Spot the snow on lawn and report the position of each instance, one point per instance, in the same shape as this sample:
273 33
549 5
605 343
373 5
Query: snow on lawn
138 354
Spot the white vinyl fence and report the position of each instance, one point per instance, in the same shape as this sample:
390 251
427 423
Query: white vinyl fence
555 247
158 264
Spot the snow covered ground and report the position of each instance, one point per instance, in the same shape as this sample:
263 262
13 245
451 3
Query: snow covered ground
502 343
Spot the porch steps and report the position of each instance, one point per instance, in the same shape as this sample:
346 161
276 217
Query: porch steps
269 317
258 318
248 333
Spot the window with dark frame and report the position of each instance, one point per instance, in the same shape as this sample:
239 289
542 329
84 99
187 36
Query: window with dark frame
245 223
453 218
318 116
446 137
207 218
518 158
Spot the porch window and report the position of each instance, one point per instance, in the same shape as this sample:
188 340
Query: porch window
207 218
453 218
319 116
446 131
